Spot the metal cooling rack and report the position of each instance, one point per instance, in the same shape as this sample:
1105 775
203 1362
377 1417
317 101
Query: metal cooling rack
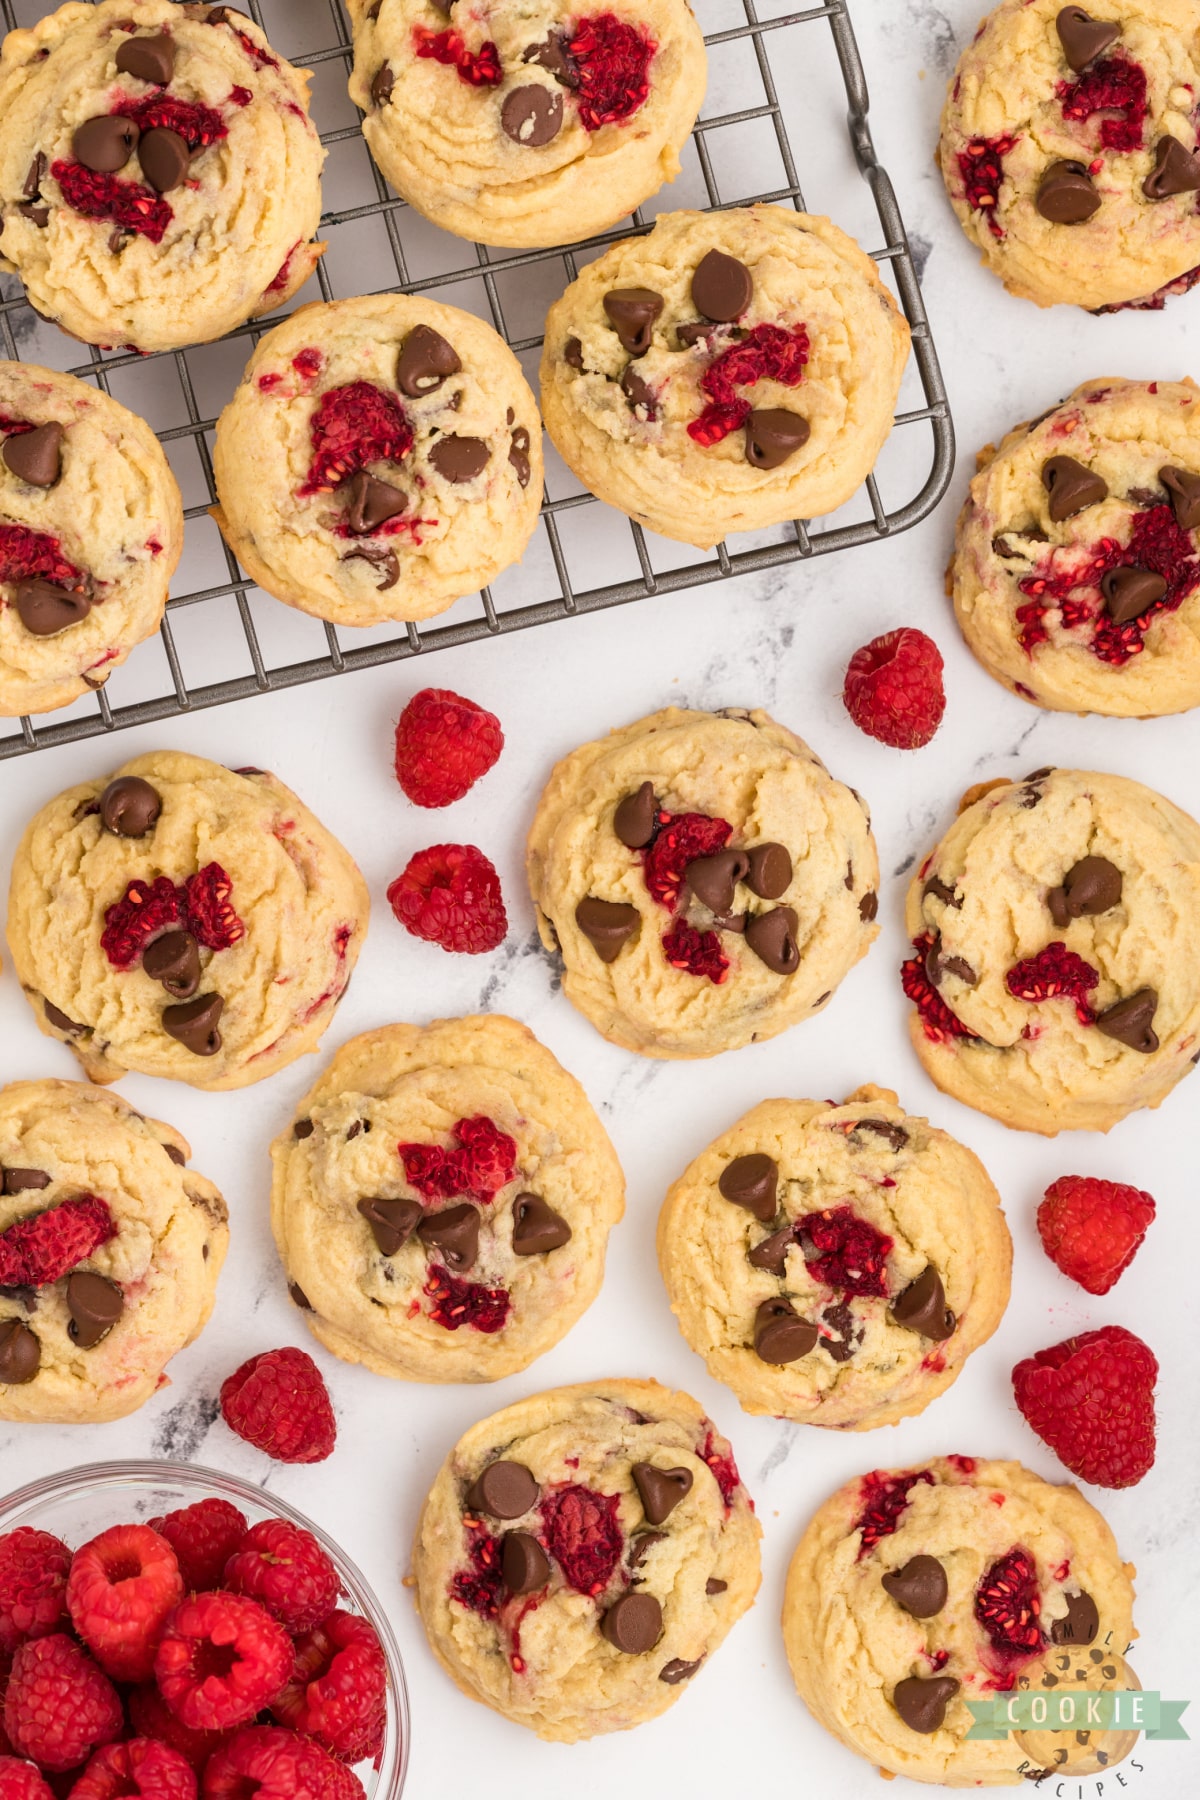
481 280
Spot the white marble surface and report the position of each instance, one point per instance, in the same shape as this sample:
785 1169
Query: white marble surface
781 641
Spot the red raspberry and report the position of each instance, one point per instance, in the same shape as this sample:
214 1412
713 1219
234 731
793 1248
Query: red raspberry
450 895
457 1302
351 427
1092 1400
338 1694
199 126
285 1570
981 166
1092 1229
1055 973
443 745
269 1763
203 1537
211 918
125 203
480 1166
481 1587
678 838
893 689
33 1586
583 1535
884 1497
279 1403
768 353
45 1246
695 952
151 1717
851 1255
1113 85
222 1658
1008 1604
121 1587
22 1781
479 68
140 1770
939 1024
612 61
25 553
59 1706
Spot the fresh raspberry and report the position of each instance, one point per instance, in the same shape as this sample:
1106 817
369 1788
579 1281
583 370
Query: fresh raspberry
443 745
33 1586
480 68
1115 84
125 203
270 1763
285 1570
1092 1229
145 909
457 1302
680 838
140 1769
695 952
450 895
939 1024
203 1536
852 1255
612 61
121 1587
884 1500
768 353
338 1694
351 427
209 910
25 553
723 1468
45 1246
1055 973
1008 1604
222 1658
199 126
1070 583
482 1163
981 167
59 1706
893 689
279 1403
583 1535
22 1781
151 1717
480 1588
1092 1400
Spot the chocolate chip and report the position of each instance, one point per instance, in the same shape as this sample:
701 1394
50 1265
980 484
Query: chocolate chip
381 558
773 433
770 872
780 1334
1176 171
537 1228
392 1222
54 1016
23 1181
920 1587
636 391
33 180
174 959
1183 488
640 1544
772 937
505 1490
298 1297
1128 593
634 1624
573 353
712 879
959 966
896 1135
715 1586
632 312
459 459
693 331
1131 1021
524 1565
193 1023
922 1702
1082 37
1071 487
532 115
303 1128
552 54
426 360
868 907
938 890
382 83
1081 1623
842 1334
1090 887
20 1354
35 456
771 1253
722 287
731 921
455 1232
45 610
607 925
25 1297
752 1182
165 158
636 816
37 215
1067 194
94 1304
106 144
149 58
176 1154
518 455
371 502
661 1490
922 1307
677 1670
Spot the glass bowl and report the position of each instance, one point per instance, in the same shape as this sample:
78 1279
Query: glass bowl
75 1506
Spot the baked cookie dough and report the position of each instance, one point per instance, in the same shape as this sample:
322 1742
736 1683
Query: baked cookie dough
527 124
835 1264
110 1248
443 1199
1076 573
1055 973
160 178
915 1590
581 1554
732 370
706 880
1068 146
182 919
381 458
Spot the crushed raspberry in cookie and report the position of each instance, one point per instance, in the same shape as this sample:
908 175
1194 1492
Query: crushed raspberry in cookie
1156 542
209 911
481 68
280 279
612 59
202 903
1008 1604
203 1536
1091 1399
1055 973
45 1246
450 895
1113 85
851 1255
1092 1229
198 126
939 1024
695 952
125 203
352 426
260 58
151 1717
221 1660
457 1303
723 1468
121 1588
481 1587
33 1585
139 1769
58 1706
681 837
768 353
981 167
884 1502
279 1403
268 1762
443 745
893 688
285 1569
25 554
481 1163
338 1691
583 1535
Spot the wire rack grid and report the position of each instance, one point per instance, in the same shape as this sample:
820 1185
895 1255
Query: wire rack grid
480 279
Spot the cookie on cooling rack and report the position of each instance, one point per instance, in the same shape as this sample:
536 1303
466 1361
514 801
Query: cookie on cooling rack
184 920
381 458
527 124
443 1201
91 528
729 371
160 178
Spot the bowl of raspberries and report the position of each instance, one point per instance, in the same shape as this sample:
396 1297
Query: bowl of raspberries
171 1633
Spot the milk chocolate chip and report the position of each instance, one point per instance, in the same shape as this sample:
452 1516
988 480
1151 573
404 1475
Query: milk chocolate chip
635 817
922 1307
524 1565
920 1587
22 1181
1184 490
712 879
537 1228
130 807
1128 593
1082 37
634 1624
661 1490
532 115
35 456
1090 887
45 610
94 1304
426 360
455 1232
148 58
518 454
459 459
770 872
677 1670
20 1354
773 433
922 1701
1131 1021
1176 171
381 558
371 503
165 158
607 925
772 937
505 1490
194 1023
722 287
632 312
752 1182
106 144
392 1222
1081 1623
1071 487
382 83
1067 194
771 1253
174 959
780 1334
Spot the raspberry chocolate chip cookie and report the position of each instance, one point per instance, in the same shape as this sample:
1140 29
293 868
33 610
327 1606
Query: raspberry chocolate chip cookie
835 1264
185 920
1068 148
381 458
731 370
443 1200
160 178
915 1590
526 124
1055 972
91 528
706 880
110 1248
582 1554
1076 575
